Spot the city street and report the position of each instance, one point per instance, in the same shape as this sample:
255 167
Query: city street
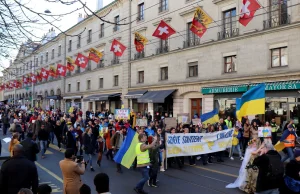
210 179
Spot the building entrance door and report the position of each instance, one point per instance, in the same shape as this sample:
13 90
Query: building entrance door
196 106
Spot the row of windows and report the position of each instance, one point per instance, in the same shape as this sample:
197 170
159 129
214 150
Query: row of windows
101 83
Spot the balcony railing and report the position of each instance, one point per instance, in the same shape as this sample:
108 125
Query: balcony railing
100 64
115 61
139 55
190 42
78 45
228 33
276 21
162 50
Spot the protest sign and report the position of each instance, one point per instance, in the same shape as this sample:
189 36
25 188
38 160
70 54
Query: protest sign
191 144
122 113
170 122
264 131
142 122
196 121
183 118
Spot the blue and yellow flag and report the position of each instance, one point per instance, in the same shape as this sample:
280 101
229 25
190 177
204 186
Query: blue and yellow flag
253 101
127 154
238 106
210 117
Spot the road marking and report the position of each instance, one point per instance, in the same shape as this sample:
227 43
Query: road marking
215 171
49 172
48 152
56 148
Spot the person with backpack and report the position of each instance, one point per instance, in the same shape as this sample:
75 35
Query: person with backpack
270 170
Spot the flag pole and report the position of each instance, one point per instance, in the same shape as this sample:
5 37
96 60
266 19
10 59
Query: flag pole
166 152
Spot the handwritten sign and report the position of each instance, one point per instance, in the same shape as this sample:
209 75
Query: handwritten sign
191 144
170 122
142 122
264 131
183 118
122 113
195 121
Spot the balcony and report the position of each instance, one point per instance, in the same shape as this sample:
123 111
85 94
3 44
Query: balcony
162 50
69 49
139 55
89 40
190 42
78 45
100 64
228 33
276 21
115 61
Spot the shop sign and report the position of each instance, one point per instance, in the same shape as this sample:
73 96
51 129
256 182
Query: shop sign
225 89
282 86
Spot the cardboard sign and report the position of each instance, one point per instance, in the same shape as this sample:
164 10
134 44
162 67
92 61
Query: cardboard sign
264 131
196 121
142 122
170 122
122 113
183 118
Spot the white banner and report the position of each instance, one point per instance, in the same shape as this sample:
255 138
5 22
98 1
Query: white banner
190 144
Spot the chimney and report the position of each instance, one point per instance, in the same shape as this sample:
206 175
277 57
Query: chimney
99 4
80 18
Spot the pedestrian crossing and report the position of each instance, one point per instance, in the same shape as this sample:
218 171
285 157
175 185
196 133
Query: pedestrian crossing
55 188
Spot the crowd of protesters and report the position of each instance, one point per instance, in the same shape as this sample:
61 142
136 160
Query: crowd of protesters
101 133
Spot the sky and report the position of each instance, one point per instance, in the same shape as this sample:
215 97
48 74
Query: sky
55 8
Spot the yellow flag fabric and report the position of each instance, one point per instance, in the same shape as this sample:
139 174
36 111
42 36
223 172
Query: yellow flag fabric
70 60
140 38
202 17
99 54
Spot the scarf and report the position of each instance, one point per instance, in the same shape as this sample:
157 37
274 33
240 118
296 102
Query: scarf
292 184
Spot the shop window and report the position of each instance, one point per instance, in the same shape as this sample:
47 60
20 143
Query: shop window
88 84
140 12
78 86
279 57
193 69
164 73
116 80
141 77
100 82
230 64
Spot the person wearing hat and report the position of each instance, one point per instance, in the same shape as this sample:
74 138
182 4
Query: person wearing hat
288 138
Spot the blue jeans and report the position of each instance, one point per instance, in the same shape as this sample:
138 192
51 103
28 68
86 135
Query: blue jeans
271 191
290 154
89 156
145 175
51 137
43 145
236 147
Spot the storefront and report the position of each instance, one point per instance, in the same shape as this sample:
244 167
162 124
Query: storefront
54 101
38 101
282 100
74 101
102 102
132 97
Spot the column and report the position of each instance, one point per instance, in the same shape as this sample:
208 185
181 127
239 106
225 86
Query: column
83 109
130 104
151 109
94 106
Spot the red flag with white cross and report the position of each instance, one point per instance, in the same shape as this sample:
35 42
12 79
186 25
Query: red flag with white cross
117 48
81 60
61 70
248 10
33 78
163 31
44 73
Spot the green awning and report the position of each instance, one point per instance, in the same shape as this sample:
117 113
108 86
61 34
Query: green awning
275 86
224 89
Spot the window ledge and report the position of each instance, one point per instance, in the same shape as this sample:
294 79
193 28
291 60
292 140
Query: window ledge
280 67
163 80
192 77
233 72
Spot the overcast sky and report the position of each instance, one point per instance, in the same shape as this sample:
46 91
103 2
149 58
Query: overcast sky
57 8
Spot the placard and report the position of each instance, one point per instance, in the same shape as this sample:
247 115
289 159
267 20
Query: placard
196 121
183 118
264 131
170 122
122 113
142 122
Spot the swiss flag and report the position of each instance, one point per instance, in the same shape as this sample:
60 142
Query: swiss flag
2 87
163 31
15 84
81 60
25 80
44 73
61 70
117 48
33 78
248 10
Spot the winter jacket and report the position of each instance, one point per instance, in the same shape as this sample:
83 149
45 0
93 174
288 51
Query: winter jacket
30 149
291 181
88 143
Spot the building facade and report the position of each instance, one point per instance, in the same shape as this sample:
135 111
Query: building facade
184 74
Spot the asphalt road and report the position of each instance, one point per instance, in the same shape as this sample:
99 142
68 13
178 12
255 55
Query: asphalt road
209 179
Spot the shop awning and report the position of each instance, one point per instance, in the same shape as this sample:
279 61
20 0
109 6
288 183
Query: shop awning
284 85
135 94
71 97
101 97
55 97
155 96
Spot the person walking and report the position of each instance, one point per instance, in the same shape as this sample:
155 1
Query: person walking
100 149
274 128
14 141
246 134
37 125
18 172
5 123
71 171
88 146
143 161
116 142
58 130
43 136
288 138
30 147
154 159
235 143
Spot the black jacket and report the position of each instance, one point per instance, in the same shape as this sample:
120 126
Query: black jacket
30 149
71 141
43 135
16 173
292 170
88 143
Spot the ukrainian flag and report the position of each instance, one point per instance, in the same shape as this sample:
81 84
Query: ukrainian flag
210 117
238 106
126 154
253 101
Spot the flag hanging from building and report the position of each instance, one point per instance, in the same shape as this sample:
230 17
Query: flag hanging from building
33 78
210 117
2 87
200 22
81 60
25 81
163 31
52 71
39 76
28 79
95 55
237 106
70 64
248 10
117 48
44 73
253 101
139 42
61 70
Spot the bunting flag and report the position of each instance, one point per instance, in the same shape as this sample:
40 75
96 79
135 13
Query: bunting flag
70 64
39 76
139 41
248 10
95 55
163 31
33 78
200 22
61 70
44 73
52 71
117 48
81 60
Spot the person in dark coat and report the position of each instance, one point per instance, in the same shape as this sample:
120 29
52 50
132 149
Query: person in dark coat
5 123
58 130
71 138
154 159
89 146
30 147
18 172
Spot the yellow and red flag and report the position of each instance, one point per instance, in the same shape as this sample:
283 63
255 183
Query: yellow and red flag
39 76
139 42
52 71
200 22
95 55
70 64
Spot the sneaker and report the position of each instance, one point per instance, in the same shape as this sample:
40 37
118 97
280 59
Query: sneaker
241 158
148 183
162 170
98 162
153 185
92 169
231 158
